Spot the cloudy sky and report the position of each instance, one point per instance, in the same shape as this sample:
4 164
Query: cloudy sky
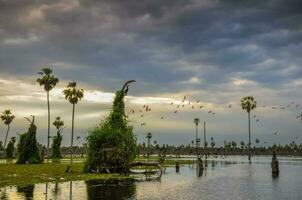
214 51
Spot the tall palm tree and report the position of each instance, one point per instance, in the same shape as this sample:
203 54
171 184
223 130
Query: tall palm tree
149 136
196 122
73 95
7 119
48 81
248 103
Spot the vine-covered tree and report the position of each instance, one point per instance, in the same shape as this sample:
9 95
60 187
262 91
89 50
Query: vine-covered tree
28 151
49 81
57 140
73 95
7 119
11 148
248 103
111 144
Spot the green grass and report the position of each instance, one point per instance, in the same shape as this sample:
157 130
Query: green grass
13 174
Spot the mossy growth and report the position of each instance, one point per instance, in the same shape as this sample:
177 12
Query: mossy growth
111 144
28 151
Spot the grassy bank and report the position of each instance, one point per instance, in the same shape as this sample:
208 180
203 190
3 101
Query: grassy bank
13 174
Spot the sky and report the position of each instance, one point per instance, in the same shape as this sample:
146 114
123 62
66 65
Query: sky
211 51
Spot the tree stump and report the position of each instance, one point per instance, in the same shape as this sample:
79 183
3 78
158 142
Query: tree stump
177 166
275 165
200 164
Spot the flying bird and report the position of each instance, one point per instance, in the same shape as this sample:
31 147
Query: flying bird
230 106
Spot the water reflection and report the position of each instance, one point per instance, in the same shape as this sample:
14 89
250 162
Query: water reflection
27 191
218 180
110 189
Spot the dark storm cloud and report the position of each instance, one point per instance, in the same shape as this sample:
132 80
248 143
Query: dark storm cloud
160 43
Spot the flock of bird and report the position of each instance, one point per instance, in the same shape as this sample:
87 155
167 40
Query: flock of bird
177 106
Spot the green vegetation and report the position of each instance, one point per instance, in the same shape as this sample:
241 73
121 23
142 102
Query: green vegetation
56 145
149 136
12 174
27 148
49 81
111 144
7 119
248 103
11 148
73 96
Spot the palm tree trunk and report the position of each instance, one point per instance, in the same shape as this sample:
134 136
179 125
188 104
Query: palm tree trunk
204 138
196 136
48 125
249 118
8 127
72 128
148 154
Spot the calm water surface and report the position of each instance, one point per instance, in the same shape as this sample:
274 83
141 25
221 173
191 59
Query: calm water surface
230 178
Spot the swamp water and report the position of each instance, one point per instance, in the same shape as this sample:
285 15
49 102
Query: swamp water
230 178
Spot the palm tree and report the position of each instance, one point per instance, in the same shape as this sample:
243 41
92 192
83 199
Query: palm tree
7 119
196 122
212 143
257 141
56 145
149 136
242 144
248 103
49 81
73 95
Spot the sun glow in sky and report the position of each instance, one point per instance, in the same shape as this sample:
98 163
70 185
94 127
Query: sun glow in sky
213 52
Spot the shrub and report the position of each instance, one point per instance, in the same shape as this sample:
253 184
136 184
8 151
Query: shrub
111 144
